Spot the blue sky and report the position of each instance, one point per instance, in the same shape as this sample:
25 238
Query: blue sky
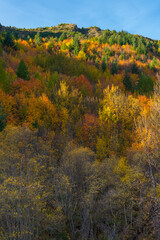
135 16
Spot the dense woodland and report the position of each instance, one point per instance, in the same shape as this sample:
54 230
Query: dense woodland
79 134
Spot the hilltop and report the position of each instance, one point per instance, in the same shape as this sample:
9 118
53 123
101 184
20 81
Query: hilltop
55 30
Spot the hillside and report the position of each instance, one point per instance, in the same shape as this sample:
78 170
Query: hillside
79 134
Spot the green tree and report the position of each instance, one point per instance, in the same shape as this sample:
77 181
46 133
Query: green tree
145 85
37 39
5 78
9 40
1 50
127 82
2 119
22 71
103 64
84 47
141 49
51 44
76 45
63 36
154 63
114 68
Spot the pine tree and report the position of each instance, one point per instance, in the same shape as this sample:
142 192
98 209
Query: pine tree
145 85
127 82
76 45
37 39
63 36
114 68
103 65
22 71
9 40
2 119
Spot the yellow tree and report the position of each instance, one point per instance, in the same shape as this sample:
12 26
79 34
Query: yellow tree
118 112
147 154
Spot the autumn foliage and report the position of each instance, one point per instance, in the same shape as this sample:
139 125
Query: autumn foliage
79 135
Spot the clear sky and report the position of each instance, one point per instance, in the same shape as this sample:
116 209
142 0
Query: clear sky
135 16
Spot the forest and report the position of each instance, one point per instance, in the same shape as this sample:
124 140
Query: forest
79 134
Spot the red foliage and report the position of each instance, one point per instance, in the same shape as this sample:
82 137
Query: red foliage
82 84
87 130
27 87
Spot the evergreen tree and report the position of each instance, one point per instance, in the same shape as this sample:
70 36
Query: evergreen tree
22 70
114 68
145 85
2 119
103 65
1 50
84 47
5 78
76 45
111 40
141 49
70 47
37 39
63 36
120 40
134 68
9 40
154 63
127 82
